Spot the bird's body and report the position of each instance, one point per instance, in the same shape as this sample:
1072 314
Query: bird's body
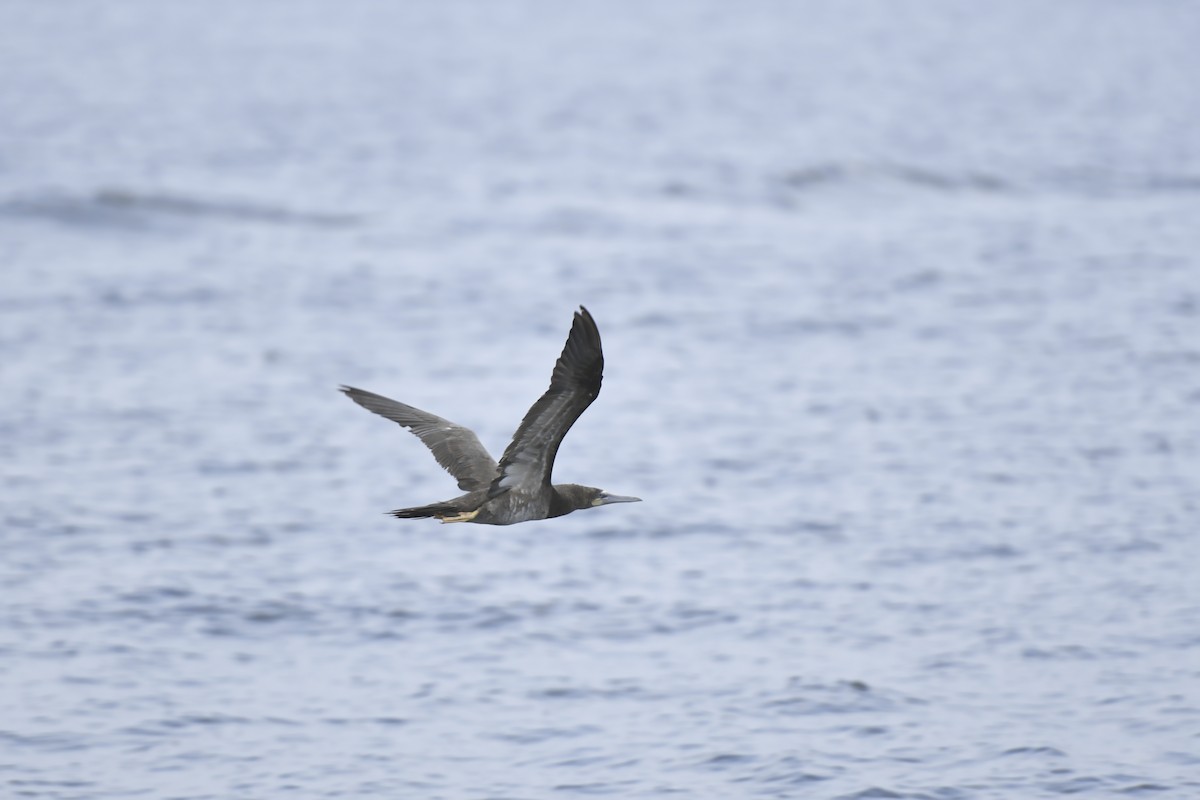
518 488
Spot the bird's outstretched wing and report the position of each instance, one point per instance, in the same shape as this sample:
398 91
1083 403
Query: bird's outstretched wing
529 459
456 448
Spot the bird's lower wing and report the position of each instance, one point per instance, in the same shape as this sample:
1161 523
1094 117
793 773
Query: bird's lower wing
456 448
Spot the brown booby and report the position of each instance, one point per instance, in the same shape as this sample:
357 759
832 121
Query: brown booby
517 489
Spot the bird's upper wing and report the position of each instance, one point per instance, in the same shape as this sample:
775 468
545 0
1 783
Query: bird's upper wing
529 459
456 448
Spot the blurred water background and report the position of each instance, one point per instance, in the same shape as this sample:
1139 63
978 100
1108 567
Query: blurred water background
901 310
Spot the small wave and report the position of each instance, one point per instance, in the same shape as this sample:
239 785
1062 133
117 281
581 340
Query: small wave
1084 181
1080 785
50 742
124 298
223 209
131 209
615 692
595 788
546 734
1064 652
33 787
849 172
843 697
874 793
784 186
1035 751
172 726
878 792
728 759
1144 788
789 771
386 722
247 466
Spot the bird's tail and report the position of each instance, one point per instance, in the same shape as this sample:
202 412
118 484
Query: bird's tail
421 512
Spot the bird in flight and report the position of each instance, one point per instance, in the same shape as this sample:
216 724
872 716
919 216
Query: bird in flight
518 489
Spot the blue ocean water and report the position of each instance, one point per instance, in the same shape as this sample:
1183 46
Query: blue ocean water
901 312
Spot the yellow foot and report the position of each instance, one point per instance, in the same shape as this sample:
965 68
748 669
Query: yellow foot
462 516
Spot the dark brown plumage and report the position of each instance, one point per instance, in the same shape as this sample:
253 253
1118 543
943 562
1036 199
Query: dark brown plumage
517 489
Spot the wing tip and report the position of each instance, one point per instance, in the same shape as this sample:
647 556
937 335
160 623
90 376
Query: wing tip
585 317
584 329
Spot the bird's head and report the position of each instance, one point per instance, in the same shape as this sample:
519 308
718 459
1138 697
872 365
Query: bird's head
580 497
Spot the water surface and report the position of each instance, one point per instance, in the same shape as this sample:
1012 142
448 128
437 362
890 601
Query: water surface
901 310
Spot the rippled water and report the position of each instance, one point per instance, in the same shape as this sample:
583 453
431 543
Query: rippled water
901 310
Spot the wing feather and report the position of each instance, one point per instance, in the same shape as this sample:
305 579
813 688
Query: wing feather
574 384
456 448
